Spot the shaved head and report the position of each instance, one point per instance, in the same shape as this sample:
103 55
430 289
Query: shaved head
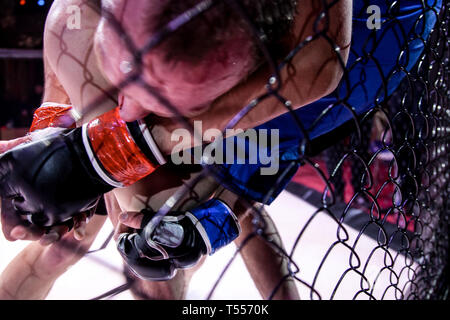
194 65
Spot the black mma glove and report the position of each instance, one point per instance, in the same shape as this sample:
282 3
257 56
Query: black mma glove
178 241
65 173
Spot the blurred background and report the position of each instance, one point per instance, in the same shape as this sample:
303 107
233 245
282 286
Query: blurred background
21 66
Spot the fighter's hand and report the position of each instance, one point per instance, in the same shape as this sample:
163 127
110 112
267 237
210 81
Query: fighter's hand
177 242
65 172
16 227
48 181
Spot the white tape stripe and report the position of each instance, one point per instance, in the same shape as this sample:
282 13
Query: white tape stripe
94 162
236 220
55 104
152 244
151 142
201 230
73 112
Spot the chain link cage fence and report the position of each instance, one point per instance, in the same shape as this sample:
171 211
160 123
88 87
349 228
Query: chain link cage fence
376 149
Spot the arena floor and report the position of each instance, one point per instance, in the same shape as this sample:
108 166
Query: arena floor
101 272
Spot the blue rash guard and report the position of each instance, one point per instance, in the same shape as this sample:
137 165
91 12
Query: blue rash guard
398 44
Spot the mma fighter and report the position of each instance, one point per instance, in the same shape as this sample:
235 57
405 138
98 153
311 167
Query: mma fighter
205 80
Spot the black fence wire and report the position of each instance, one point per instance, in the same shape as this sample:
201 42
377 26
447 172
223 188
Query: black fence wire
371 157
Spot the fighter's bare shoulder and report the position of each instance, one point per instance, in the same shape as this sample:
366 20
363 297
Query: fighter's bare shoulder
69 50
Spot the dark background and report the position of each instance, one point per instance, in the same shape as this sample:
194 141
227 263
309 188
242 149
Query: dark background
21 80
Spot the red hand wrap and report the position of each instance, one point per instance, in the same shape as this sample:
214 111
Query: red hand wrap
52 116
116 149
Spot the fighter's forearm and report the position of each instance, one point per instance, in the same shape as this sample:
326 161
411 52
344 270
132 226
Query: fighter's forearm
313 72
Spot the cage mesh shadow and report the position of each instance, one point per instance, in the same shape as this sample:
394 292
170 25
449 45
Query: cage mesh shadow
379 146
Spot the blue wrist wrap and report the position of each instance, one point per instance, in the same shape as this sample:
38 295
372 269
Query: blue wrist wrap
216 223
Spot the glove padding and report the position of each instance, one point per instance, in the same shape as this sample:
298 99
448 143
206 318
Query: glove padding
179 241
65 173
50 179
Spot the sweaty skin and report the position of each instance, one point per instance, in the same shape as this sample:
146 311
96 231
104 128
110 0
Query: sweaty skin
43 265
70 55
72 70
317 69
